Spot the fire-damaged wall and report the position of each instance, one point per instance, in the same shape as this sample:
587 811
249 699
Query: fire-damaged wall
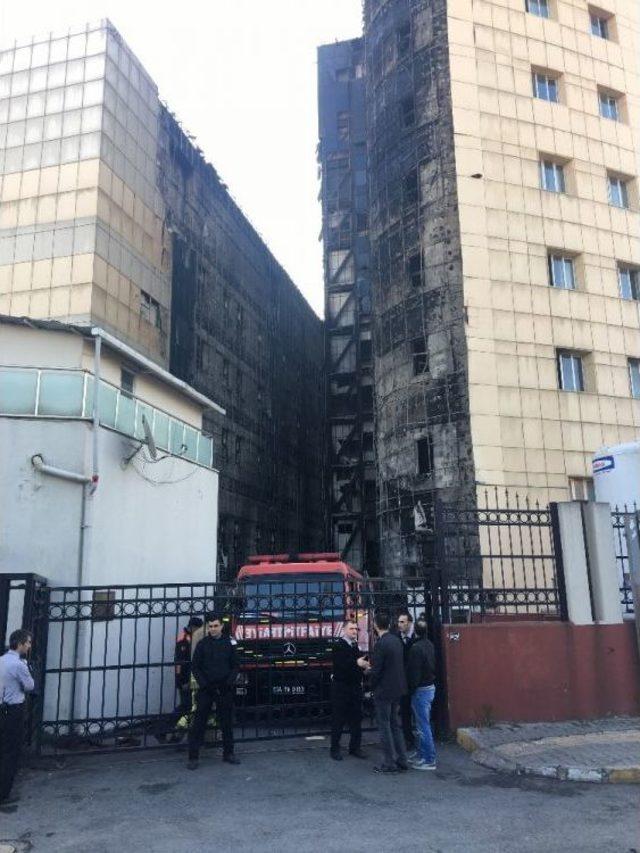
423 442
351 492
243 334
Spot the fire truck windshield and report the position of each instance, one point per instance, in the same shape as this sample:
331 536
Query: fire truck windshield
293 596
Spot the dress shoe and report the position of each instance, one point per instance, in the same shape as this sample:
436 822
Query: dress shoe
231 759
336 756
357 753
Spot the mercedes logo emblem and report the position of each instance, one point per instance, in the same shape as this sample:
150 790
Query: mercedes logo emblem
289 650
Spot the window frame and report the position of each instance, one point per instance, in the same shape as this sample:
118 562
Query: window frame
535 7
559 186
577 370
425 442
616 181
599 24
633 282
634 386
609 99
566 261
541 82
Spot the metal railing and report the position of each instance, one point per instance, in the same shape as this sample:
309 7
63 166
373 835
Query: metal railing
69 394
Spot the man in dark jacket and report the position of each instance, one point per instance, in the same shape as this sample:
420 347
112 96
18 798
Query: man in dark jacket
346 692
215 669
389 685
405 632
182 658
421 673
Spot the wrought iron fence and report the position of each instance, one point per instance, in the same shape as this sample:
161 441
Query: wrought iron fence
618 516
502 559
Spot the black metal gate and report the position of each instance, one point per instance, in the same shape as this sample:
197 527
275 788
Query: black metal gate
105 658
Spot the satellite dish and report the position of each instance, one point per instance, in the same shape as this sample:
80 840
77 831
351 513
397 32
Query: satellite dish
148 437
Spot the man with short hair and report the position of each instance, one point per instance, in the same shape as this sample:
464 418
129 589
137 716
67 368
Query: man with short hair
389 685
422 675
346 692
215 670
405 632
15 682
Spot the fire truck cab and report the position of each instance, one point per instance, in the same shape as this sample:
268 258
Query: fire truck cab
289 610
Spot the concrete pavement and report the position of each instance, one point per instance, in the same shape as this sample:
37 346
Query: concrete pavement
291 798
605 750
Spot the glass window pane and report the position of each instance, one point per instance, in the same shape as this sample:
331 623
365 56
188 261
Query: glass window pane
20 83
94 67
75 71
107 404
60 394
71 123
568 276
18 392
18 108
125 420
57 75
36 104
55 101
161 430
58 50
93 93
205 450
176 439
634 371
73 97
191 441
96 41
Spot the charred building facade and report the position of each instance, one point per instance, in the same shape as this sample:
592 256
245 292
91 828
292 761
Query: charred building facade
351 491
504 223
110 216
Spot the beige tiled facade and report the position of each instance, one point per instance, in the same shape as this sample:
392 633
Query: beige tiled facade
527 432
82 235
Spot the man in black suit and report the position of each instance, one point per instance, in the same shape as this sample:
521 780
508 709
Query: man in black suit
405 632
346 692
389 686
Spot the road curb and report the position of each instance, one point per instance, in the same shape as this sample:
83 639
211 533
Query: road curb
471 741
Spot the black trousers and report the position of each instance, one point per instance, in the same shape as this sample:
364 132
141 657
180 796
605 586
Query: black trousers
346 710
222 696
11 737
406 718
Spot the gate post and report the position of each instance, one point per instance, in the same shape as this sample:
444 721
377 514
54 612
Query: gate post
568 533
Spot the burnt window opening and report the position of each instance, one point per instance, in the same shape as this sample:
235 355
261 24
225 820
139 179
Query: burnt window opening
238 454
420 356
239 381
366 351
403 39
366 395
225 371
127 381
415 271
410 187
407 111
343 122
150 309
224 444
425 454
103 605
367 443
362 222
200 360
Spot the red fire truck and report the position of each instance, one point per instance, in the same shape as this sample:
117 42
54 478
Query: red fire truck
288 610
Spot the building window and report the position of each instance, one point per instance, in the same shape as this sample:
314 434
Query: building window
618 192
545 86
343 75
414 270
628 281
239 381
570 372
224 444
407 111
225 372
562 272
410 185
634 376
150 309
581 489
539 8
238 456
599 23
609 106
127 381
425 455
343 126
103 605
420 356
552 176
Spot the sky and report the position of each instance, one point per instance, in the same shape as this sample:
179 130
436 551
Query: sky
241 76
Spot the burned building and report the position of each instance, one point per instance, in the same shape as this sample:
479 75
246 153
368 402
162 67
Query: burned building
502 161
111 216
348 347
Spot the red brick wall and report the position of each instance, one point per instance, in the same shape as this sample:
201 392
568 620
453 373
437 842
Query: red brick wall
535 672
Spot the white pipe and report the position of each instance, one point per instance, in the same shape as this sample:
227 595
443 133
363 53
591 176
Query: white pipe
39 464
95 411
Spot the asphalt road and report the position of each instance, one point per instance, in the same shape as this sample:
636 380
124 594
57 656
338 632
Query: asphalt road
292 797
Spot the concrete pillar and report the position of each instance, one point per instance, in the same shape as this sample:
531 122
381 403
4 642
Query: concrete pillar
574 561
601 555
